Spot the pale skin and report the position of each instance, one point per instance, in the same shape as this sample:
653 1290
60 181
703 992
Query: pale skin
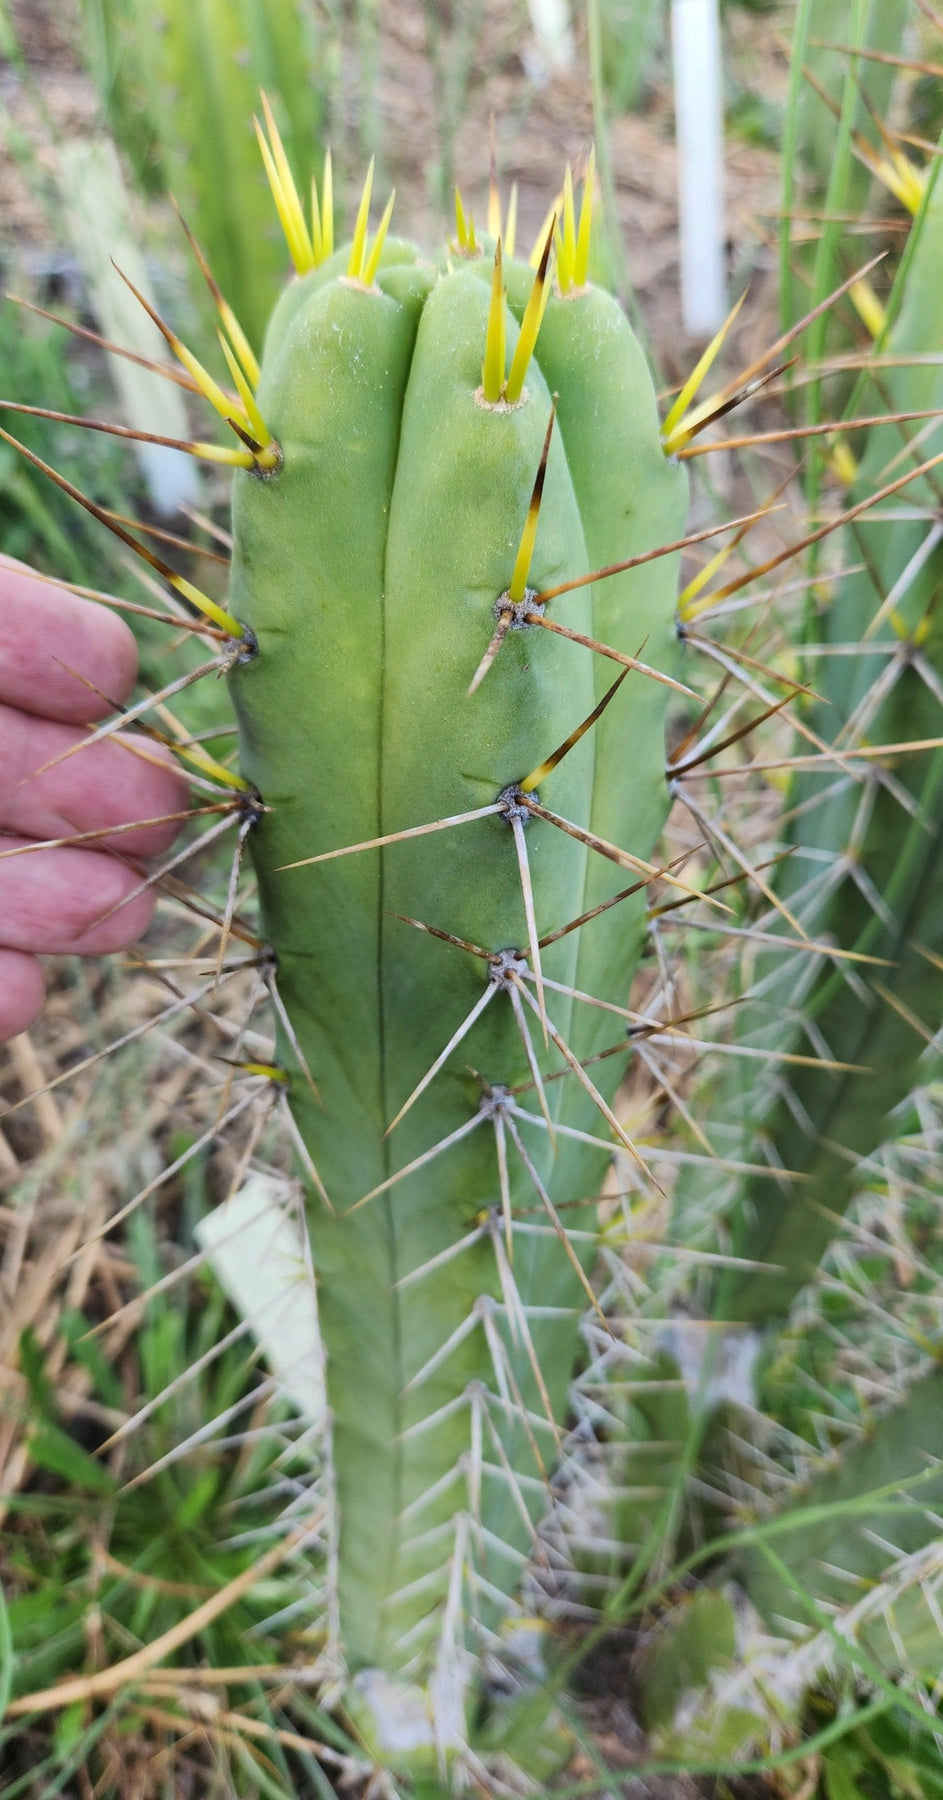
52 901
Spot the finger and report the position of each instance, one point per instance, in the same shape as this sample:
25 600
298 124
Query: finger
113 782
51 902
22 991
44 632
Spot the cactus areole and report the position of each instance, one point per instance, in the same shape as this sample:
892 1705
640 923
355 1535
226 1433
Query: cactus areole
420 511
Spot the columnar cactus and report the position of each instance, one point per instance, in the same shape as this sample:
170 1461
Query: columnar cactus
425 504
450 636
865 868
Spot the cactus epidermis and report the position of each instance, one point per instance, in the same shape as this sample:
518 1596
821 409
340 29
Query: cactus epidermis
370 570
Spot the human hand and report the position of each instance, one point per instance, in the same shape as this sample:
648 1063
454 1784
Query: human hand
53 900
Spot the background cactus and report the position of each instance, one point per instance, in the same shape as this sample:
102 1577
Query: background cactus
179 92
863 874
863 838
884 902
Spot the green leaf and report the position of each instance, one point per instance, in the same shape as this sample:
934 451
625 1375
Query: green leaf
6 1655
69 1727
88 1352
33 1369
700 1638
53 1449
842 1765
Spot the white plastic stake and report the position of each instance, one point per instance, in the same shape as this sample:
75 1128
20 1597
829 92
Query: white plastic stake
550 20
700 130
254 1247
97 213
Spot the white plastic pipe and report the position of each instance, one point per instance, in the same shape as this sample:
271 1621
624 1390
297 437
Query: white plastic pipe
550 20
695 31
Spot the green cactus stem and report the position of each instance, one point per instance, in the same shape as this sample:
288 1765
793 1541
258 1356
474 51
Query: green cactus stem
866 870
422 510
